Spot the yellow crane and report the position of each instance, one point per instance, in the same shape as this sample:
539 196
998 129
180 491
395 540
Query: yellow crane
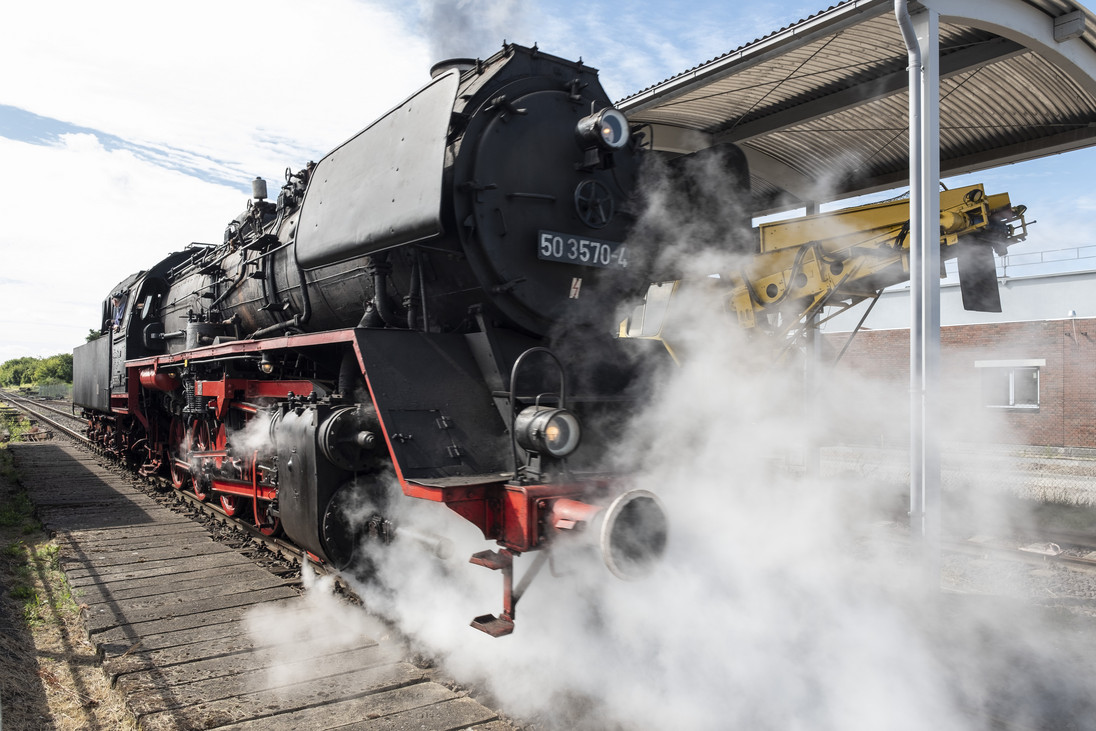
838 259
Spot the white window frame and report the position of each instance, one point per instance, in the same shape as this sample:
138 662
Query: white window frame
1012 366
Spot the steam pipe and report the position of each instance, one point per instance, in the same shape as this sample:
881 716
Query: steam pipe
297 321
422 291
306 313
413 299
383 305
276 328
567 514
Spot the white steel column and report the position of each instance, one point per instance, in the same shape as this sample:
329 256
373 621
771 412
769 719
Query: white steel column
812 380
921 33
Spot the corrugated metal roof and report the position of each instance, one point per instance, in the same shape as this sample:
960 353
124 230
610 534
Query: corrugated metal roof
821 106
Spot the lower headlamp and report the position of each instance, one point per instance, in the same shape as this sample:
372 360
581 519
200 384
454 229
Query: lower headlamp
547 430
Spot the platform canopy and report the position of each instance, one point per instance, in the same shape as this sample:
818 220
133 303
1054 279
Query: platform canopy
821 107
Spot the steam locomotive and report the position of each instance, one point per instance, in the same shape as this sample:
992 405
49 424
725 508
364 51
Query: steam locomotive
433 299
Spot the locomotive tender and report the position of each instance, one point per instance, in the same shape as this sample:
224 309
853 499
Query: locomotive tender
434 299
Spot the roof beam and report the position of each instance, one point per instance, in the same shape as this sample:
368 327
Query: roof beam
1029 150
988 159
1027 25
1065 38
677 139
958 62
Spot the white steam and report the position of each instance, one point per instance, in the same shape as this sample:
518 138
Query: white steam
783 601
253 437
777 606
321 625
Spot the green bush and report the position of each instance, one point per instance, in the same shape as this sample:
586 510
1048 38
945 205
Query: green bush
27 370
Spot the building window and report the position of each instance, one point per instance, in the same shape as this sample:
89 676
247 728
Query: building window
1010 384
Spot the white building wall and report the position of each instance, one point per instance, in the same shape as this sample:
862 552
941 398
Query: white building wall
1038 297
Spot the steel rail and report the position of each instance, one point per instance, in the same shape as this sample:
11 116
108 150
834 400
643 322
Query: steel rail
276 545
1053 553
29 407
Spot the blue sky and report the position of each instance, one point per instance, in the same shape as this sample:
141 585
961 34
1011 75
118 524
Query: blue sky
129 129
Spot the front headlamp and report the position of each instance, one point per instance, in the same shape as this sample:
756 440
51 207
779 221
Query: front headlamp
607 129
547 430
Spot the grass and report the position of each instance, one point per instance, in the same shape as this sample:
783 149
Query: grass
41 568
30 562
17 511
13 551
15 426
50 675
16 508
7 467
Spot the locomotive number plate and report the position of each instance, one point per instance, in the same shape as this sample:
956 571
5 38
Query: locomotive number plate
554 246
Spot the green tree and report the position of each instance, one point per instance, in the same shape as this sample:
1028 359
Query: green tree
27 370
17 371
54 369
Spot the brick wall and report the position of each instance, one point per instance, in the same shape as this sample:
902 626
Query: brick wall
1066 416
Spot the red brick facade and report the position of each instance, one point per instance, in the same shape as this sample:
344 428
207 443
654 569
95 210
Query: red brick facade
1066 414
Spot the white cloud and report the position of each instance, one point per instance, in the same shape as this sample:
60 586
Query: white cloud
259 87
646 42
234 90
83 218
226 90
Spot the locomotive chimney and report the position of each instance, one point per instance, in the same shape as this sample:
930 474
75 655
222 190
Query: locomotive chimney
258 189
461 64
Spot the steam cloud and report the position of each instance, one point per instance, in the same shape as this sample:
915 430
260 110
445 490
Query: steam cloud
776 606
782 603
305 631
254 436
469 28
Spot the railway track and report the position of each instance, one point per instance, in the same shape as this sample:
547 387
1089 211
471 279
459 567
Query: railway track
1064 547
174 638
70 425
1056 550
1041 550
40 410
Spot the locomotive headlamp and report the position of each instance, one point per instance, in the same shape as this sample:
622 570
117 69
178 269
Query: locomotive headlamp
547 430
265 365
607 129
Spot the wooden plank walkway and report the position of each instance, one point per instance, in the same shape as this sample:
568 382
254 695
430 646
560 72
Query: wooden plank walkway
167 608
